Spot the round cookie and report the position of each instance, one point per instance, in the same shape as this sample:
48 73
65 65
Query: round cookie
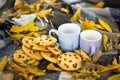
20 57
45 40
34 54
49 56
29 42
55 49
69 61
39 47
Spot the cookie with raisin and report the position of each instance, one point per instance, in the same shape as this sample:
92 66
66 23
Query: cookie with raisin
30 43
20 57
45 40
69 61
55 49
49 56
34 54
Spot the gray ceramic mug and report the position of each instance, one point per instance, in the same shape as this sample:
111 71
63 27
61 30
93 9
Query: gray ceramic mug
68 36
90 41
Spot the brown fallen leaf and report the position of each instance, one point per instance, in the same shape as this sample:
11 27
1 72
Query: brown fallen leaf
97 56
110 45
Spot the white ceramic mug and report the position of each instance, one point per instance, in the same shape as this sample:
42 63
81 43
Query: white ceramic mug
90 41
68 36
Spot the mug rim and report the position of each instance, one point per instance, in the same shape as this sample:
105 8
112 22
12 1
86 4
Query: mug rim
99 38
63 25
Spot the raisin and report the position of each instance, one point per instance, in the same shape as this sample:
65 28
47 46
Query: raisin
51 55
34 51
60 56
31 39
56 50
74 65
66 65
23 52
30 52
59 61
40 39
46 38
70 60
25 61
26 41
31 46
19 56
76 57
37 43
50 39
65 59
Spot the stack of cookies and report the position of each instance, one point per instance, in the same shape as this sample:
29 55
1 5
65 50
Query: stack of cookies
35 49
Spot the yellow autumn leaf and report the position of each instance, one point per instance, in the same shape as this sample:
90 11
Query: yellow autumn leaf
114 61
25 12
105 25
105 42
114 77
84 55
50 1
44 13
108 68
4 12
27 27
65 10
52 67
99 5
17 36
94 73
37 7
76 15
35 34
88 24
36 71
18 4
3 63
98 26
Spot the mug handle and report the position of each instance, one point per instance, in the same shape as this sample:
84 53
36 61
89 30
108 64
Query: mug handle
93 49
54 31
